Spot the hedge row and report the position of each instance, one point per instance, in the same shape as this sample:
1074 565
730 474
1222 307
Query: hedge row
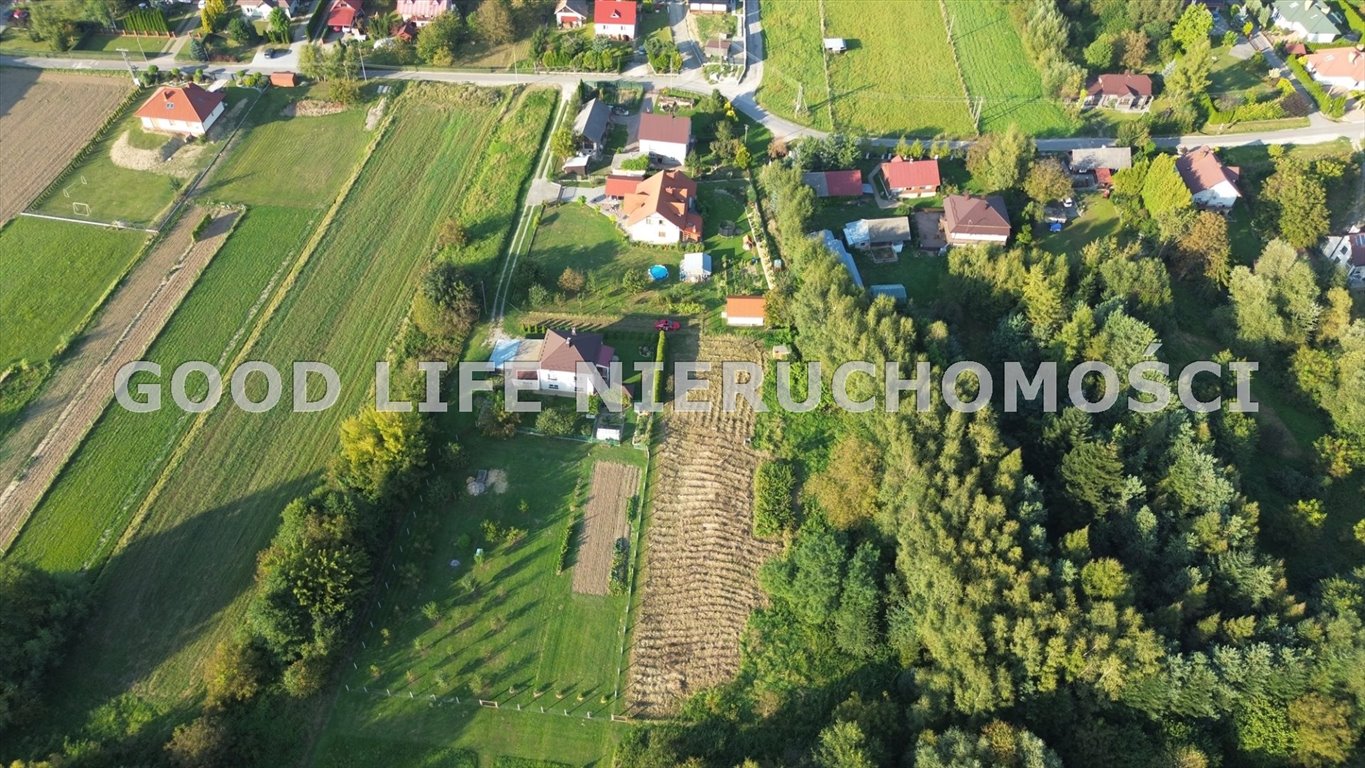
774 487
1332 107
319 16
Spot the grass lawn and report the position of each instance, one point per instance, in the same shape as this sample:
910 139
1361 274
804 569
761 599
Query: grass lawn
1229 74
1100 220
151 45
897 76
115 193
998 70
180 583
55 273
506 629
730 263
919 271
794 61
713 25
298 161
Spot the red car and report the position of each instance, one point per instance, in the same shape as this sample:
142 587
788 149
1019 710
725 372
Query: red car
664 324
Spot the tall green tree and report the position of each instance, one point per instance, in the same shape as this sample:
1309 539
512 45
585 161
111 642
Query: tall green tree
1299 197
998 161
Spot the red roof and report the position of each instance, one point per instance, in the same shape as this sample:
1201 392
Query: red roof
1104 177
284 79
844 183
620 186
670 195
745 306
190 104
564 351
1202 170
905 174
343 13
615 12
1120 85
672 129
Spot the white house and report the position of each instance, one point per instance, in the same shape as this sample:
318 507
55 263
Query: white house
745 311
1306 19
1342 68
188 110
615 19
560 364
421 12
571 14
665 138
696 268
662 210
1212 184
1348 251
260 9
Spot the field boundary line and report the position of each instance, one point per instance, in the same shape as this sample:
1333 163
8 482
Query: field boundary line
88 222
182 446
957 67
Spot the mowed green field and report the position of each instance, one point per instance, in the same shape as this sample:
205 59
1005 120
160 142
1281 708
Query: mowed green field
181 581
794 60
578 237
509 630
998 70
297 161
54 273
89 506
898 75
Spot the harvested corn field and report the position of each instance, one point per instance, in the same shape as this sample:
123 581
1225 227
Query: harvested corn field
701 559
604 523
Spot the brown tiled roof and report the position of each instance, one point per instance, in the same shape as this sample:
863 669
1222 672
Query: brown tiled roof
189 103
1338 62
669 128
971 215
667 193
1120 85
564 351
745 306
1202 170
904 174
620 186
343 13
844 183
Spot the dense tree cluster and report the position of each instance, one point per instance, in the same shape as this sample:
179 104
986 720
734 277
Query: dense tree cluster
37 614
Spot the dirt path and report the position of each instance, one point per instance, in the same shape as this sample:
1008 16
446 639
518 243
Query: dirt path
701 559
604 522
54 424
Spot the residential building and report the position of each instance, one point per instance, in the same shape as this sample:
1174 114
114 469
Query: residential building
972 220
561 363
662 210
591 126
571 14
911 179
188 110
835 183
260 9
745 311
717 49
421 12
891 233
345 16
841 253
696 268
1096 167
1342 68
615 19
1348 251
1212 184
665 138
619 184
1311 21
1127 92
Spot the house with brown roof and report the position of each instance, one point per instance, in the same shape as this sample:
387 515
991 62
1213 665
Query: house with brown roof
345 16
1342 68
421 12
568 359
1212 184
972 220
188 110
1128 92
571 14
835 183
909 179
662 210
665 138
745 311
615 19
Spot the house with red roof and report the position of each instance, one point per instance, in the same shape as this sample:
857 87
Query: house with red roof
665 138
911 179
745 311
421 12
188 110
1342 68
345 16
567 361
1127 92
835 183
662 210
615 19
972 220
1212 184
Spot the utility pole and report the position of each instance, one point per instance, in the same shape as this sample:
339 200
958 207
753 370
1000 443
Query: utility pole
800 107
132 72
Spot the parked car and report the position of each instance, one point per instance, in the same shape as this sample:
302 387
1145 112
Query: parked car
664 324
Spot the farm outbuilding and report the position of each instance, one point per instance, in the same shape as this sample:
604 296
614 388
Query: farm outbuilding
895 290
835 45
836 247
696 268
745 311
878 233
284 79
